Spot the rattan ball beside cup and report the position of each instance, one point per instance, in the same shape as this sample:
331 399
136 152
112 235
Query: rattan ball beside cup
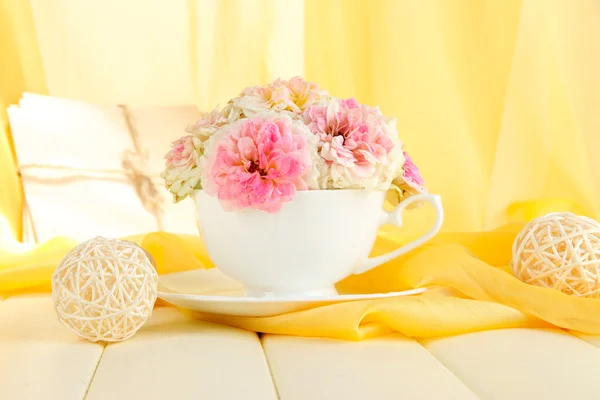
560 251
105 289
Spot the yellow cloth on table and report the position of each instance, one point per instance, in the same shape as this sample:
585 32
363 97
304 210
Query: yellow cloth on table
482 293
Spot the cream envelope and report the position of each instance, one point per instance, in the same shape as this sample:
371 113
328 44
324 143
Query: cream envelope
78 136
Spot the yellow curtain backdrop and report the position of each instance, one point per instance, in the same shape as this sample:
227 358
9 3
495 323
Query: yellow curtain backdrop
497 102
20 69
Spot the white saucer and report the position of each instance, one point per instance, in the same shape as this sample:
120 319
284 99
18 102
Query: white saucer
209 291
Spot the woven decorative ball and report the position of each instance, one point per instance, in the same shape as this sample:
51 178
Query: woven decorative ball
105 289
560 251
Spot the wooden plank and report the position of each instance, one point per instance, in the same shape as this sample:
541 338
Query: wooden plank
175 357
390 367
521 363
39 357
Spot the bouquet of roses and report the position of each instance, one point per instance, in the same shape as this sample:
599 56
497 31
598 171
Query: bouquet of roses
273 140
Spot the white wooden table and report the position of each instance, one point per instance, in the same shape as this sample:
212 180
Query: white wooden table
174 357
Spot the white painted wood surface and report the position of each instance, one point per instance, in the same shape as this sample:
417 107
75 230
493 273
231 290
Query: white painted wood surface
40 359
594 340
391 367
522 364
175 357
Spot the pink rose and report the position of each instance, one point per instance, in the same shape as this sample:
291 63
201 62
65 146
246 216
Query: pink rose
208 124
290 97
412 175
304 94
181 153
259 163
360 146
410 182
181 170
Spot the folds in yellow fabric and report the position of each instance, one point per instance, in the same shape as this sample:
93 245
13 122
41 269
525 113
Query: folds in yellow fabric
471 289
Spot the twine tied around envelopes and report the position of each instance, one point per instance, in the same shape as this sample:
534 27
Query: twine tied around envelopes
134 165
134 170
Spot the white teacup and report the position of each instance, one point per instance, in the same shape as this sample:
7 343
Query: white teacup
314 241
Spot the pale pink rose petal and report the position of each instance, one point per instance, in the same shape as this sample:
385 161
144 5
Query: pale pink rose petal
247 148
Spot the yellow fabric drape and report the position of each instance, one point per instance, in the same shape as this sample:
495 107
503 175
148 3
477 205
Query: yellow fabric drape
484 294
496 102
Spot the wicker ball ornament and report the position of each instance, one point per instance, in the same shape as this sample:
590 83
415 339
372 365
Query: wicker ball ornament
560 251
105 289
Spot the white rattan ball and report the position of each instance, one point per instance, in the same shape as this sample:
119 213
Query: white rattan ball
560 251
105 289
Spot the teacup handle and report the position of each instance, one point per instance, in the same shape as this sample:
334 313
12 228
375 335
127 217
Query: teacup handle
395 218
